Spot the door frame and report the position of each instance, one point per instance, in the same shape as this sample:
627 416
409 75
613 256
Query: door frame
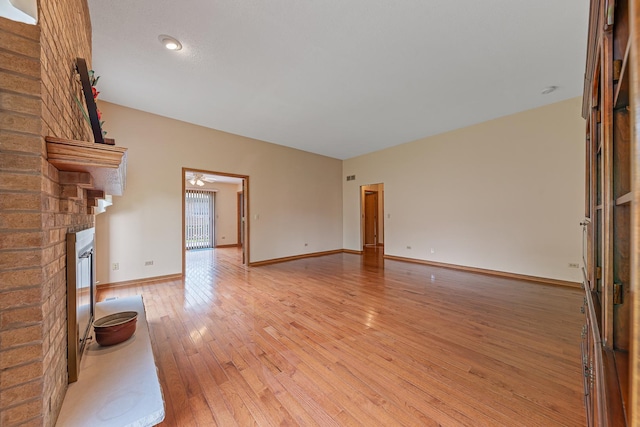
245 192
379 188
241 217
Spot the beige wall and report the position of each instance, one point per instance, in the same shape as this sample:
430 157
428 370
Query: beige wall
295 196
503 195
227 213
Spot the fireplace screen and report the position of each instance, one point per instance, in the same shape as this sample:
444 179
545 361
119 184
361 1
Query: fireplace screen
80 295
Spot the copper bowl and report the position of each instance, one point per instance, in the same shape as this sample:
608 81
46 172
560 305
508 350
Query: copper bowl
115 328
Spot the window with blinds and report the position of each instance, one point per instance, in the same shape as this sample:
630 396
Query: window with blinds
199 230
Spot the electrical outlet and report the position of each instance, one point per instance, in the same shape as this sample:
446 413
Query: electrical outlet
115 266
574 265
433 251
148 263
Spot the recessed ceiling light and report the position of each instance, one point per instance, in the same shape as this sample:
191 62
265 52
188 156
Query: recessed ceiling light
169 42
547 90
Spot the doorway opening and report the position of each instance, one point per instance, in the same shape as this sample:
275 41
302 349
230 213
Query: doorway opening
372 215
214 209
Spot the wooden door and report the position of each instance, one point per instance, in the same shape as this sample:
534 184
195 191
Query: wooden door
371 218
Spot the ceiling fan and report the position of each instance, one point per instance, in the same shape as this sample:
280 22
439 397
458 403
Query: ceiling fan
198 179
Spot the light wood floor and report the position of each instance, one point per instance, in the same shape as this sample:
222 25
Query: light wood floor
339 340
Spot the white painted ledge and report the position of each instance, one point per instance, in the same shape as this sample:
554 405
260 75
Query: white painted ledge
117 386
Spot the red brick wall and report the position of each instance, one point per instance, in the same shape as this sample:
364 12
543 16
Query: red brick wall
37 89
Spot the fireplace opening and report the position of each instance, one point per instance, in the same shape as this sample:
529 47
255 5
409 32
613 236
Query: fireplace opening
80 296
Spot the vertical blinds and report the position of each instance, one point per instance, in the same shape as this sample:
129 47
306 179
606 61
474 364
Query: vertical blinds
199 219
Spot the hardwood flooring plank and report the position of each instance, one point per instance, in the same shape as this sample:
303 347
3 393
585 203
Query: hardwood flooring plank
239 410
201 412
211 392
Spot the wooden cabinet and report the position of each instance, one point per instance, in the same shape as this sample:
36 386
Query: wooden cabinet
610 341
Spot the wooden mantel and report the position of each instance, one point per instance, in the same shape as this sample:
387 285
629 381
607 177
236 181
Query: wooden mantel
107 164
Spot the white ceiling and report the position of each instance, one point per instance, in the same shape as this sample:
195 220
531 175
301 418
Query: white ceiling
338 77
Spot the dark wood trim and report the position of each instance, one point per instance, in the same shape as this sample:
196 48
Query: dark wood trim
246 247
92 108
606 112
594 365
183 248
634 80
592 57
351 251
177 276
621 97
239 198
545 280
294 257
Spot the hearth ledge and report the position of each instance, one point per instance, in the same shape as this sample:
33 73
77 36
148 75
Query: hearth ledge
117 385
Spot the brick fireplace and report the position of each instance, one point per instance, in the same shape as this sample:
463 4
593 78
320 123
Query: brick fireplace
37 89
